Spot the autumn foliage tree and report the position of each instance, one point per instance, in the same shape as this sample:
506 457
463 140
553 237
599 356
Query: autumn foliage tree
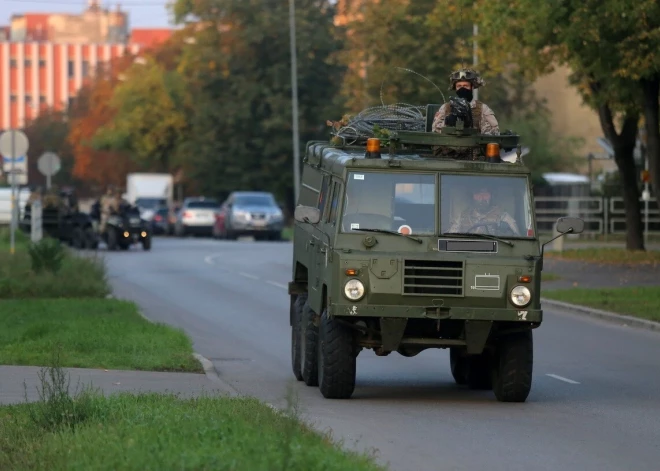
91 110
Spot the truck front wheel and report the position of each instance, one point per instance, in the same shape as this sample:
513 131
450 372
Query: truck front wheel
309 334
296 318
512 368
336 359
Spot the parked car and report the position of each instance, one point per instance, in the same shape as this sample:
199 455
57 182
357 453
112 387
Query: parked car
160 223
196 216
254 213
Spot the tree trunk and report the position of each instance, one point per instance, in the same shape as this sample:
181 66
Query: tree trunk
624 146
651 90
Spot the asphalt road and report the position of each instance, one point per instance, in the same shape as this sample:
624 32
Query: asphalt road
594 403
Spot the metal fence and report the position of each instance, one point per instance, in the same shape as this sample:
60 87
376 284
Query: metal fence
602 216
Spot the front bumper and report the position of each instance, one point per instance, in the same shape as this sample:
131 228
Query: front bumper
424 312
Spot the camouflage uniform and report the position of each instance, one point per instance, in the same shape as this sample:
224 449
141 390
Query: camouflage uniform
483 117
472 216
109 204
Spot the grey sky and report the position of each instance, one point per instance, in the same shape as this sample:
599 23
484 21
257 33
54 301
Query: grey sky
142 13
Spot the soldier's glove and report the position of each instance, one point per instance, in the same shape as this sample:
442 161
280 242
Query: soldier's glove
450 120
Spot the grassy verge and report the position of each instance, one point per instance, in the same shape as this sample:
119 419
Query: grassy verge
90 432
75 276
91 333
642 302
608 255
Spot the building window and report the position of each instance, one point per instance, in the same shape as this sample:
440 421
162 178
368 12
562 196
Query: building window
12 63
85 68
28 63
71 101
71 69
42 63
42 99
28 99
13 98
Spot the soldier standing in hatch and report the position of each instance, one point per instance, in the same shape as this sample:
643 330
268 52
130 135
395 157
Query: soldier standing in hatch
109 204
464 82
488 218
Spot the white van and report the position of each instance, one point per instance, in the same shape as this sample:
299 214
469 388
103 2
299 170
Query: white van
5 203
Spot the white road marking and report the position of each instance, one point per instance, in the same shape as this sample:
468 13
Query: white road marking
561 378
209 259
247 275
275 283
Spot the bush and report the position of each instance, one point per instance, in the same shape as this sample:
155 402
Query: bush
47 254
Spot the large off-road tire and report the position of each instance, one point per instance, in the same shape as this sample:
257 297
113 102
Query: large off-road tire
309 346
512 368
78 238
296 318
146 243
336 359
113 238
478 373
458 365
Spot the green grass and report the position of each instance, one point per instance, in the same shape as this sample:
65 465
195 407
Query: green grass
78 276
92 333
608 255
642 302
162 432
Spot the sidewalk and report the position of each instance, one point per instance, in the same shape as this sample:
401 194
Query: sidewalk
12 389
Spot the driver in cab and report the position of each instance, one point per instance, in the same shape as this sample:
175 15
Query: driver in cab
482 217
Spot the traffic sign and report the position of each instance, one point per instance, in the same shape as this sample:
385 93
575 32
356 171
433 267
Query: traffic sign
14 143
49 164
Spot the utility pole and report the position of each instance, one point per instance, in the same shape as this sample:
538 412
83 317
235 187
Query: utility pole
294 99
475 59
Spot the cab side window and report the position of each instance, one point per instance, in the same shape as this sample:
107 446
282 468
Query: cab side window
334 203
323 195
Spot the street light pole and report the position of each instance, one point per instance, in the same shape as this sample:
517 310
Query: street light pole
475 59
294 99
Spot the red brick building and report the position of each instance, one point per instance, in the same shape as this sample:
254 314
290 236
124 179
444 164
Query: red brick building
46 58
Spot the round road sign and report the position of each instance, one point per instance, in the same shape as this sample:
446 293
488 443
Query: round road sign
20 146
49 164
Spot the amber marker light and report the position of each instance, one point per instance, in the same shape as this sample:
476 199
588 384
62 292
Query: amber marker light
351 272
492 150
373 145
524 279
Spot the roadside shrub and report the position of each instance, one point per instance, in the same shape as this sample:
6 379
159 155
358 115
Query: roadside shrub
47 254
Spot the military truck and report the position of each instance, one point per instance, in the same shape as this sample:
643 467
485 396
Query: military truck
392 252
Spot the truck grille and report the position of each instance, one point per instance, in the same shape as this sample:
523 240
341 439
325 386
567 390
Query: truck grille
432 278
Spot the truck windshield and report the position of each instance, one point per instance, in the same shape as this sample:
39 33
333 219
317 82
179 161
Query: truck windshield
406 202
150 203
390 201
494 205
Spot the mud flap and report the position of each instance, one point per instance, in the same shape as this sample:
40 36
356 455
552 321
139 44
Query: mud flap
391 331
476 335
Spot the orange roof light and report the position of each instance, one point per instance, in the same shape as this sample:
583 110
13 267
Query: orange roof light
373 144
492 150
351 272
524 279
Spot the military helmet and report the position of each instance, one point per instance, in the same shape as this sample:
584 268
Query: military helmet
468 75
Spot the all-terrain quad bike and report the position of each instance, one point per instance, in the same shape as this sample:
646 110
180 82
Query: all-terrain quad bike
122 230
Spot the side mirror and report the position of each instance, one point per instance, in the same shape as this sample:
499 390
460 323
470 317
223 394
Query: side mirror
307 214
570 225
565 225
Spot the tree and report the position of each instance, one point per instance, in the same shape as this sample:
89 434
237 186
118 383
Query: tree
48 133
92 110
238 71
586 36
150 116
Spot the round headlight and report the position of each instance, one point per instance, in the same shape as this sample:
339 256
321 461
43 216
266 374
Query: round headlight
520 296
354 290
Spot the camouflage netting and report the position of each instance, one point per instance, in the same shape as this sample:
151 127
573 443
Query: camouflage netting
376 121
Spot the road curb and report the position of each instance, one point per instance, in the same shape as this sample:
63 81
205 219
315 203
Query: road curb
604 315
212 374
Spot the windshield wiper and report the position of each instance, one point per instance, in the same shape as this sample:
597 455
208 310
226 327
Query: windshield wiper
385 231
485 236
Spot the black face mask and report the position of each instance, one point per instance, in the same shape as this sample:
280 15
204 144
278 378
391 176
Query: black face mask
464 93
